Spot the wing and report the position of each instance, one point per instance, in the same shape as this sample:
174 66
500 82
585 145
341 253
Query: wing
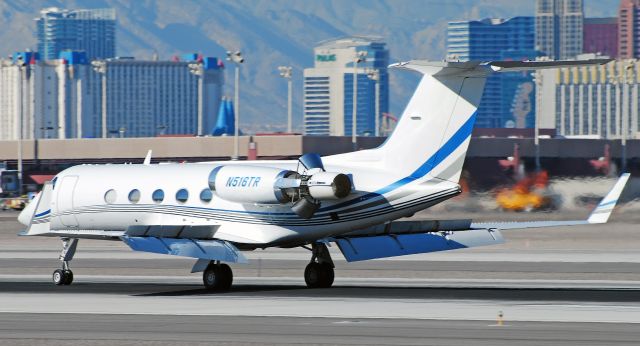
400 238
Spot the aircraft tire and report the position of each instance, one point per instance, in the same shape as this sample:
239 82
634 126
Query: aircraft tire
227 277
68 277
318 275
217 277
329 275
59 277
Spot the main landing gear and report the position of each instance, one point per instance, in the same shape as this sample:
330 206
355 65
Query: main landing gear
217 276
64 276
319 272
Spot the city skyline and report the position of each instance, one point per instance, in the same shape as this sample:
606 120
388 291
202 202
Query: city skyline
277 34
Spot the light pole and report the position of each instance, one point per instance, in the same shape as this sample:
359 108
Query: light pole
21 66
625 112
374 75
359 57
536 133
285 72
197 69
100 66
237 59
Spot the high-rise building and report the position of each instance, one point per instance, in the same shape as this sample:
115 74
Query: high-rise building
559 25
601 36
508 97
629 29
329 86
599 101
91 31
62 98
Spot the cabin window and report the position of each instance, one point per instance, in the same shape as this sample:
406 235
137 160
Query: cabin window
157 196
182 195
110 196
134 196
206 195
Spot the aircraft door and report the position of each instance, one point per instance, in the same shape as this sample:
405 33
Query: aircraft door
66 190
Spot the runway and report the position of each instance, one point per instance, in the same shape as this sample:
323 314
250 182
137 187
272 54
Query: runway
582 288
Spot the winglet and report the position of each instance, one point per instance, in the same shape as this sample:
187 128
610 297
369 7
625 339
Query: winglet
147 159
602 212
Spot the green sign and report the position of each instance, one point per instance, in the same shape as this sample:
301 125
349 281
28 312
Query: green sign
327 57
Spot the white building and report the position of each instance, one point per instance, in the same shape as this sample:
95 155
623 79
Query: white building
600 101
328 87
63 98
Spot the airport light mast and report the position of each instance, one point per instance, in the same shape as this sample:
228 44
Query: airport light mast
374 75
285 72
197 69
237 58
21 68
100 66
361 56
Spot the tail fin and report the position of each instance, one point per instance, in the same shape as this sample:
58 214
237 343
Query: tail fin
433 134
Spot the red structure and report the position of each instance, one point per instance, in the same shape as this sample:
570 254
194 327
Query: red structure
628 42
600 35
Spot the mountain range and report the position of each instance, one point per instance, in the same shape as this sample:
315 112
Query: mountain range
273 33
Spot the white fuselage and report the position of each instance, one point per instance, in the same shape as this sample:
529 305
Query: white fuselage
81 200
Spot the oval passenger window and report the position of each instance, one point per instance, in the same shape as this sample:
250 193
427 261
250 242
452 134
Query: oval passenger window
134 196
157 196
182 195
110 196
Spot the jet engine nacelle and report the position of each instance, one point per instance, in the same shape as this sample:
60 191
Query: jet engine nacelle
267 185
245 184
329 185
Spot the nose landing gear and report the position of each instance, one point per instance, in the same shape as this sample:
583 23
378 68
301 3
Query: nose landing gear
64 276
319 272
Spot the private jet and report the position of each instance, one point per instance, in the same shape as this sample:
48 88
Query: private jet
215 211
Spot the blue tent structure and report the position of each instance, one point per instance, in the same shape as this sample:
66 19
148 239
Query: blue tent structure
225 125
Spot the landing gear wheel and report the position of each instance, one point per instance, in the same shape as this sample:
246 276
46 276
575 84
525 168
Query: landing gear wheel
217 277
227 276
59 277
68 277
318 275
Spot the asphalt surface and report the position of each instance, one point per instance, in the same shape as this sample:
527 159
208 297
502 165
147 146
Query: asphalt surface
75 329
553 287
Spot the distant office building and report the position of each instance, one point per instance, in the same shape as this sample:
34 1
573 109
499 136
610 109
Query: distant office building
91 31
328 87
591 101
147 98
62 98
559 25
508 97
629 29
601 36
